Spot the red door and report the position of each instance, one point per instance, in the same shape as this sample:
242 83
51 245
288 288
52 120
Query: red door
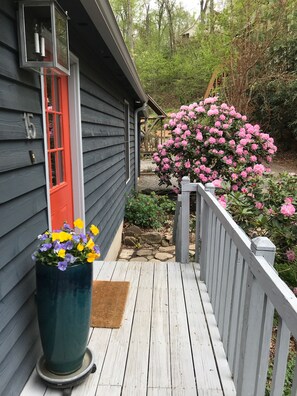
58 148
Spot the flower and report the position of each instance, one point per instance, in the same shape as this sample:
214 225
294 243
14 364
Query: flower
290 255
64 248
79 223
287 210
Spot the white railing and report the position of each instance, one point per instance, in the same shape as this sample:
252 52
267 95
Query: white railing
244 289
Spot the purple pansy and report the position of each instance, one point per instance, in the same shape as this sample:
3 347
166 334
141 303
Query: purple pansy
42 237
45 247
70 258
68 245
96 249
83 237
62 265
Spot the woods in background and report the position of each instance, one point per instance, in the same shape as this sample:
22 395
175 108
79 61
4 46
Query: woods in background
251 43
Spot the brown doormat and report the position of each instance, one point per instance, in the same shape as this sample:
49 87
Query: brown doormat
108 303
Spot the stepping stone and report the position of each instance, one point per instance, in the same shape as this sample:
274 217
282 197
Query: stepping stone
151 237
126 254
163 256
168 249
144 252
139 259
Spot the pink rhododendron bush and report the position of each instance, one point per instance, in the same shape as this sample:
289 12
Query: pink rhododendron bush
212 142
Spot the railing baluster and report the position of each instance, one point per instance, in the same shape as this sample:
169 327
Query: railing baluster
235 312
220 273
229 297
224 291
198 228
185 218
280 360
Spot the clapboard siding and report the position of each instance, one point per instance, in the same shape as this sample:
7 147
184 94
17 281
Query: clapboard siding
23 195
24 180
23 208
8 32
104 154
16 242
10 69
15 155
21 97
12 125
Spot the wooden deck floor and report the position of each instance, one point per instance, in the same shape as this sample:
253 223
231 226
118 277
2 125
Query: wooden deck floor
168 343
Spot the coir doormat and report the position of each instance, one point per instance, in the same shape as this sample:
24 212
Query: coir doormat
108 303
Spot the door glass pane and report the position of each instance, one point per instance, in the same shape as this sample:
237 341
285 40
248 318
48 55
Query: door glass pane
53 169
51 130
61 165
59 131
56 95
49 98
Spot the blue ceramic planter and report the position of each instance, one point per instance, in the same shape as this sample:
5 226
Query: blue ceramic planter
64 307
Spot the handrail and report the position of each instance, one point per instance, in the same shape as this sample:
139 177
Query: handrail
244 290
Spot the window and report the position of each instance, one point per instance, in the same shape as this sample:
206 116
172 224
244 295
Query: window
127 140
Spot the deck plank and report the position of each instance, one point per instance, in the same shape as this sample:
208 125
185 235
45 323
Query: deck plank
205 366
159 364
163 347
115 361
183 376
135 381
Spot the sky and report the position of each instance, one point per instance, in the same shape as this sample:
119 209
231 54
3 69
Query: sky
194 5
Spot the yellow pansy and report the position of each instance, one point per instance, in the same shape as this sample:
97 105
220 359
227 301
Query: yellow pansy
62 253
80 247
94 229
61 236
79 223
90 244
91 257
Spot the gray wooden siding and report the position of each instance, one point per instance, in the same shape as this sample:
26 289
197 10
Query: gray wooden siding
23 200
22 209
104 155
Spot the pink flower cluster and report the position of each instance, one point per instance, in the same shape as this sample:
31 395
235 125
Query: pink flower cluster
288 209
212 141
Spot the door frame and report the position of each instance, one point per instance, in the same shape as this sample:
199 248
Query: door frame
75 142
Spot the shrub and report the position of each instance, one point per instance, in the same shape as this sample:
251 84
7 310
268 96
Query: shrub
148 211
270 211
212 142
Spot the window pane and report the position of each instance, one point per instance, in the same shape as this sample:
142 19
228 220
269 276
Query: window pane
61 166
53 169
59 135
51 130
49 103
56 96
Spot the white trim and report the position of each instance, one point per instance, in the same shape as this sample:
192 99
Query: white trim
129 139
49 217
76 139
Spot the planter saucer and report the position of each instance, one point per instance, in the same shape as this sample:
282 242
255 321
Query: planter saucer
68 380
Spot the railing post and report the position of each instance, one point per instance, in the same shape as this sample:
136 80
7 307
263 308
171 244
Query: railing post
185 220
257 328
204 234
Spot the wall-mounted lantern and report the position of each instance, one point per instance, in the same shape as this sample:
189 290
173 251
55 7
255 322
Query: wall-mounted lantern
43 36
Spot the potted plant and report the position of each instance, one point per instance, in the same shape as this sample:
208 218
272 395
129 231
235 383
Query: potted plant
64 274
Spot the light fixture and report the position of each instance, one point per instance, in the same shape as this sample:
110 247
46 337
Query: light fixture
43 36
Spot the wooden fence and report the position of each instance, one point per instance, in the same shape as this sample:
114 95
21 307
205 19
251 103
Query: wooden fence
244 289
